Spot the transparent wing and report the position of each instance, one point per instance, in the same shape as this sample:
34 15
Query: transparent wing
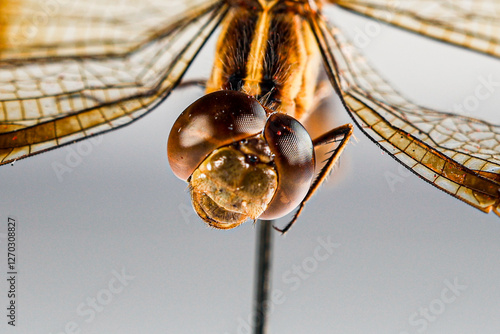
473 24
47 101
457 154
38 28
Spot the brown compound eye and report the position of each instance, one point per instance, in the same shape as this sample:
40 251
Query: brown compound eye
215 120
293 153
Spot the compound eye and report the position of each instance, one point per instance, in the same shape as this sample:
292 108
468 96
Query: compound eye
293 153
215 120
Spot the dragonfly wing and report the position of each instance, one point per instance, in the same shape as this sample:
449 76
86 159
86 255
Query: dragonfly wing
471 24
459 155
35 29
47 101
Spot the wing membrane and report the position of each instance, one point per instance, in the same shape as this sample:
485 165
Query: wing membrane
457 154
47 102
34 28
471 24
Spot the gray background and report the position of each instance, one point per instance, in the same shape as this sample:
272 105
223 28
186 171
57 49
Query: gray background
121 208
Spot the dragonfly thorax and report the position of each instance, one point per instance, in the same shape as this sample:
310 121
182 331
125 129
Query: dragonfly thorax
268 52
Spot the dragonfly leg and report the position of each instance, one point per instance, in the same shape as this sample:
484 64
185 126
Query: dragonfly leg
341 134
323 92
193 82
321 97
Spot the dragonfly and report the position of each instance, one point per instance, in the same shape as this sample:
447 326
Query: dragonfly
72 70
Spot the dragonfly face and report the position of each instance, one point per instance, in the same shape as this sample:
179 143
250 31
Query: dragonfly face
70 79
234 175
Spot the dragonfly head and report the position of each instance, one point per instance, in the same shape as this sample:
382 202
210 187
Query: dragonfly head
234 183
241 160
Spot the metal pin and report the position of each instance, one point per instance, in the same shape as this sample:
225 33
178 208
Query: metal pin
263 276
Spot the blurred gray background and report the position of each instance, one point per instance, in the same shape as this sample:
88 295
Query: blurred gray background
121 212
